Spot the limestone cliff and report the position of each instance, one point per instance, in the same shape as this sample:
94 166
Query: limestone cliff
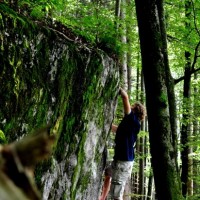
48 78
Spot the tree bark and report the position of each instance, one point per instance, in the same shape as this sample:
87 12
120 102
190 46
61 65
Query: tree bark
154 63
129 12
195 171
185 129
124 69
142 149
150 185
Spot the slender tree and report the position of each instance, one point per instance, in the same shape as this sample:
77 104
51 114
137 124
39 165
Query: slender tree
141 150
129 11
124 70
195 171
150 185
185 129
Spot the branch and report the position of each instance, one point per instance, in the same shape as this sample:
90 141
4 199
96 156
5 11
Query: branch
61 34
193 70
195 24
195 55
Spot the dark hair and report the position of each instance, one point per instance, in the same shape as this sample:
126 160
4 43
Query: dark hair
139 110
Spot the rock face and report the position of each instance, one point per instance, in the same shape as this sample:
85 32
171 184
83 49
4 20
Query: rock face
47 78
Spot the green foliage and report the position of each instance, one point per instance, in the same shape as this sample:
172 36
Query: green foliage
96 23
37 9
180 39
2 138
142 134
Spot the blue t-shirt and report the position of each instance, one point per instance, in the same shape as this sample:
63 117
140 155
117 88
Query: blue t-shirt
126 136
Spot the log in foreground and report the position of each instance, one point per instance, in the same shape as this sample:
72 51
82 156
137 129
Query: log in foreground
17 162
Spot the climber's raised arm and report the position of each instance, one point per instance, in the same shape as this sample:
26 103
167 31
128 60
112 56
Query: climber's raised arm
125 99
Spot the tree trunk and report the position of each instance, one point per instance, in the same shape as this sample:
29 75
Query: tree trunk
141 149
195 173
154 62
150 186
124 69
185 132
129 11
117 14
185 129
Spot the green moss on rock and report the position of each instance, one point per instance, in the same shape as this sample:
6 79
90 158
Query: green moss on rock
50 80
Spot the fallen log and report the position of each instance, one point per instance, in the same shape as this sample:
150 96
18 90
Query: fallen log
17 162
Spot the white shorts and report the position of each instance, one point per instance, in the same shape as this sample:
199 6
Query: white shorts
121 171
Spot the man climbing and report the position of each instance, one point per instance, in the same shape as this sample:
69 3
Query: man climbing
120 170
